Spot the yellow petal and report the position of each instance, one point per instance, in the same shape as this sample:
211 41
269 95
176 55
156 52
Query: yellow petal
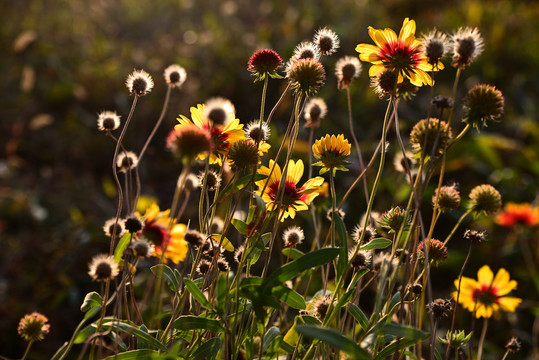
367 50
407 30
295 171
485 276
383 37
509 303
376 69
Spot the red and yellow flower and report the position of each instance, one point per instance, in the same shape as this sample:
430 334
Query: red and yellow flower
402 55
486 295
295 198
514 214
156 224
223 136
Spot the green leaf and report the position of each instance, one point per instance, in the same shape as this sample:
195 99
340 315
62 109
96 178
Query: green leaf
292 253
404 331
343 237
239 185
394 301
359 315
376 244
334 338
222 291
208 349
121 325
289 296
393 347
164 271
271 334
240 226
307 261
189 322
91 300
197 294
122 245
225 243
83 334
134 355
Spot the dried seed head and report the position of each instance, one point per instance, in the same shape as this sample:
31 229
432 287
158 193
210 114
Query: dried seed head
393 219
126 160
513 345
255 132
437 250
103 268
203 267
347 69
326 40
370 233
108 121
486 199
175 75
109 226
321 307
213 180
430 132
315 110
139 83
212 248
442 102
340 212
188 141
293 236
481 104
435 45
243 155
362 260
447 198
191 182
219 111
384 258
194 238
474 236
467 44
222 264
33 327
305 50
440 308
133 224
384 83
142 248
239 253
306 76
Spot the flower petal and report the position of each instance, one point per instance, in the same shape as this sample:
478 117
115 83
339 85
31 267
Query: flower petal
485 275
407 30
509 303
376 69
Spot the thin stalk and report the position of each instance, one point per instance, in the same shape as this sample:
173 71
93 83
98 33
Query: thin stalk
468 212
27 350
482 339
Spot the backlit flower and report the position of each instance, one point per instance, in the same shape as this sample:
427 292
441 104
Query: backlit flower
139 83
264 62
487 294
175 75
155 229
331 152
315 110
326 40
485 198
108 121
402 54
306 76
347 69
467 45
514 214
33 327
434 47
223 135
103 267
305 50
295 198
482 103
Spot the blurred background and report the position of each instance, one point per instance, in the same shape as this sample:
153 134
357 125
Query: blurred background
63 61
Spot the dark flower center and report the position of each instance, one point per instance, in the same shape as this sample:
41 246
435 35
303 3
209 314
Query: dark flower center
486 295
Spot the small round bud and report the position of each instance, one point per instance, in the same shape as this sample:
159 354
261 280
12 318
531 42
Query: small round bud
467 45
513 345
428 132
315 110
203 267
103 268
139 83
33 327
474 236
133 224
108 121
142 248
189 141
384 83
447 198
306 76
347 69
213 180
243 155
436 249
481 104
393 219
109 226
486 199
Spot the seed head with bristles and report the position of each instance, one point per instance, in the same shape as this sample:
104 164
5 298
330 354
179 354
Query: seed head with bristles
326 40
347 69
103 267
126 161
384 83
195 238
447 198
264 62
33 327
475 236
306 76
108 121
435 46
139 83
482 103
467 44
109 226
243 155
219 111
188 141
485 199
255 132
370 233
430 132
213 179
293 236
142 248
315 110
133 224
175 75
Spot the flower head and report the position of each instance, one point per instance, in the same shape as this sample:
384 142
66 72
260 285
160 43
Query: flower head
321 306
326 41
513 345
440 308
109 226
173 244
370 233
363 259
223 136
487 294
393 219
306 76
255 132
189 141
442 102
142 248
103 268
384 82
108 121
293 236
295 198
305 50
315 110
347 69
243 155
514 214
331 152
175 75
428 133
486 199
264 62
447 198
194 238
133 224
212 179
467 44
33 327
139 83
436 249
475 236
126 161
401 54
482 103
435 46
191 182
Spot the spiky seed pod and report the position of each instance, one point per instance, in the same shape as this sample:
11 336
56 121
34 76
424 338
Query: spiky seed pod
340 212
33 327
393 219
188 141
239 253
435 46
142 248
425 133
243 155
255 132
440 308
293 236
126 161
447 198
103 268
442 102
485 199
108 121
513 345
482 103
370 233
213 180
467 44
212 248
139 83
264 62
203 267
347 69
321 307
306 76
362 260
109 226
175 75
222 264
195 238
475 236
315 110
326 40
133 224
219 111
305 50
437 250
384 83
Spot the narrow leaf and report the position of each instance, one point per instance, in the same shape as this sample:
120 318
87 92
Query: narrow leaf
334 338
134 355
197 294
164 271
292 253
189 322
359 315
271 334
240 226
405 331
91 300
122 245
375 244
289 296
208 349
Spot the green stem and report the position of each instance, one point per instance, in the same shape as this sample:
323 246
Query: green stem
27 350
482 339
468 212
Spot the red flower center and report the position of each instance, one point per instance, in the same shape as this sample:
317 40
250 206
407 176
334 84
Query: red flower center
399 56
155 233
220 139
291 193
486 295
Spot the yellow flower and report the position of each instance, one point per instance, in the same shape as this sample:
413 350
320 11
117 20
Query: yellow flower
223 136
331 151
155 229
487 294
402 55
294 198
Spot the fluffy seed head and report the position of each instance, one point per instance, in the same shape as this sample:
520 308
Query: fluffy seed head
481 104
212 248
222 264
486 199
467 44
239 253
293 236
437 250
194 238
326 40
133 224
384 83
321 307
440 308
33 327
103 268
191 182
447 198
139 83
142 248
347 69
306 76
475 236
126 160
188 141
213 180
108 228
305 50
203 267
513 345
425 133
175 75
362 260
435 46
264 62
340 213
243 155
108 121
254 131
400 160
370 233
315 110
219 111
